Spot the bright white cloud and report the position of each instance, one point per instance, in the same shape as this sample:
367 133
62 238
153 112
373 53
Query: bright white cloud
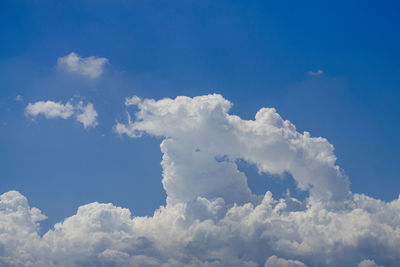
86 114
18 230
201 129
211 217
88 66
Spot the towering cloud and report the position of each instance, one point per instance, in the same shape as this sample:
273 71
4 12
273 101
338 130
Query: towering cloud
211 217
85 114
91 67
200 129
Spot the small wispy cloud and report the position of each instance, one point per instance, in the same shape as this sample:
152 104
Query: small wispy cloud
316 73
86 66
19 98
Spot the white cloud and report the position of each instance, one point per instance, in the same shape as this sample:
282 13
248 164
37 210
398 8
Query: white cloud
50 109
269 142
316 73
18 230
87 115
211 217
89 66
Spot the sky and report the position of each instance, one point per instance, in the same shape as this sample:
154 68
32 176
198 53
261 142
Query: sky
149 104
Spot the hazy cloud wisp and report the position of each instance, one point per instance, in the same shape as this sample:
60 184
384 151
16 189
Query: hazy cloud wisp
316 73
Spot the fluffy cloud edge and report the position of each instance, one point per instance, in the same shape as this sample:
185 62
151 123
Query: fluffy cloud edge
197 234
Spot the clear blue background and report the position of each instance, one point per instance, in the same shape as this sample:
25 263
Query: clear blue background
256 53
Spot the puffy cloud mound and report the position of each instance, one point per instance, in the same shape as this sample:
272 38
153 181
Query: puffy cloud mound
212 218
91 67
85 114
199 129
18 230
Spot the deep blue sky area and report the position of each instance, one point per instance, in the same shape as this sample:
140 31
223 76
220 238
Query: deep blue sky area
255 53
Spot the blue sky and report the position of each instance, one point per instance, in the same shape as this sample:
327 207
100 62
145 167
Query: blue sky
255 53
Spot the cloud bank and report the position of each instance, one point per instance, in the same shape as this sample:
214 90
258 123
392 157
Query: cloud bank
91 67
85 114
211 217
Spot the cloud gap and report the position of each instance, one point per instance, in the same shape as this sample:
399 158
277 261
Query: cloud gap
280 185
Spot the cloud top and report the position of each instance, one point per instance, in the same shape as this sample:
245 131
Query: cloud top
91 67
85 114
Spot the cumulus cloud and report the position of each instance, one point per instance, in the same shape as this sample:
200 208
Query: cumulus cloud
201 129
211 217
18 229
85 114
87 66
